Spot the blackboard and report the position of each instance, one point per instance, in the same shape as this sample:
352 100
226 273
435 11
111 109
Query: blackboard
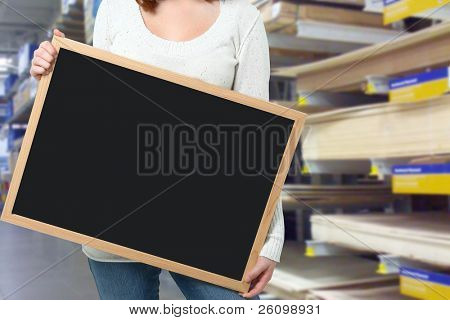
89 171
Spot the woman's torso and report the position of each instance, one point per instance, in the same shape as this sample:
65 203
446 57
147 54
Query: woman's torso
210 57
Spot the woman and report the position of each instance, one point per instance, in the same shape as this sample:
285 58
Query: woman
222 42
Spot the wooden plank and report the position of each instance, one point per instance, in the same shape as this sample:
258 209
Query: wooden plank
345 2
282 16
420 236
307 109
380 131
344 33
341 16
360 3
430 47
307 47
431 159
96 222
330 196
382 290
292 50
297 274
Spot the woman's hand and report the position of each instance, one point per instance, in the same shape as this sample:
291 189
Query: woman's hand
44 58
259 276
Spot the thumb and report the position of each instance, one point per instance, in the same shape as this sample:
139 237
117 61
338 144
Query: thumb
58 33
255 272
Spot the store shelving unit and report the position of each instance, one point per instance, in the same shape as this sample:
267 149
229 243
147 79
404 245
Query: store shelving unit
22 114
349 71
353 140
309 46
380 131
424 237
353 196
15 87
442 13
343 33
70 20
303 31
297 276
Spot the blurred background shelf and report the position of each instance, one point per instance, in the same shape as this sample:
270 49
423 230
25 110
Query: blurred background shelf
440 13
380 131
419 236
360 128
301 49
382 290
297 275
348 72
337 196
302 30
23 113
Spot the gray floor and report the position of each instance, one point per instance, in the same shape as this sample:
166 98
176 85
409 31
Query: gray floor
36 266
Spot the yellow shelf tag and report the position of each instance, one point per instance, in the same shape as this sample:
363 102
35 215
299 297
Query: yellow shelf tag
424 284
309 252
370 88
302 101
420 86
305 169
395 10
421 179
374 172
382 269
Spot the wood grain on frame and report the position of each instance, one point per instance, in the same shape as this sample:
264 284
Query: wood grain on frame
276 110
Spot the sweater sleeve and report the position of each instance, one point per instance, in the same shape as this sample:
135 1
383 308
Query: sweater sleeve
102 37
252 78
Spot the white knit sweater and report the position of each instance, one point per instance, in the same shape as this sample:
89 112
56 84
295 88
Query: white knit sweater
233 54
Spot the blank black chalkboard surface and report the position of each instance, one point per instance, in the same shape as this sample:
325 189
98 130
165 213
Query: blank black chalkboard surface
89 171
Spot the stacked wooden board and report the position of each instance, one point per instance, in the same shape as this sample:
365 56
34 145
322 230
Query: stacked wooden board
283 15
297 275
330 196
71 20
445 158
90 14
348 71
380 131
367 137
359 3
382 290
423 237
299 31
356 3
439 9
315 102
308 109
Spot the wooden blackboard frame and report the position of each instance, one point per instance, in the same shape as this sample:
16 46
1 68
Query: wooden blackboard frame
88 51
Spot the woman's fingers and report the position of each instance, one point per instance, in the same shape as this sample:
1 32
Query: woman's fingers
44 54
255 272
258 285
43 60
44 57
47 46
37 72
39 62
259 276
58 33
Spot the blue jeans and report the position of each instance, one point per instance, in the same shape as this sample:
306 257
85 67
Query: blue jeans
138 281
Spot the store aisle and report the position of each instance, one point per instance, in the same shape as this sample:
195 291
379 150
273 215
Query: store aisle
24 255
